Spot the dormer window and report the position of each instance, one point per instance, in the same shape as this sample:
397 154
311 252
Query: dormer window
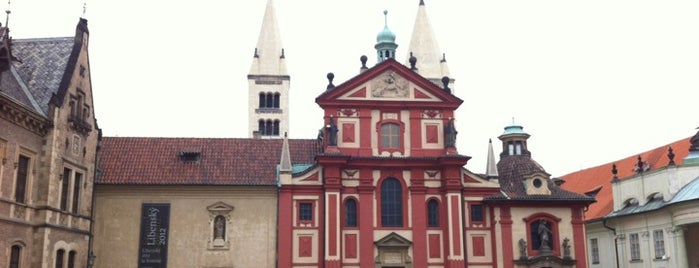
631 202
189 157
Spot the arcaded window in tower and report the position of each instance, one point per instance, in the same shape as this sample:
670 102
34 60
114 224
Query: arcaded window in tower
275 131
351 213
432 213
390 136
268 127
261 127
277 96
263 100
270 100
391 203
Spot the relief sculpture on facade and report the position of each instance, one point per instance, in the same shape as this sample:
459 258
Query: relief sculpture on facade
389 85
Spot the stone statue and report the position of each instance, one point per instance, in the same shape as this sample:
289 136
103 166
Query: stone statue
695 142
566 248
522 249
450 134
544 235
332 132
219 228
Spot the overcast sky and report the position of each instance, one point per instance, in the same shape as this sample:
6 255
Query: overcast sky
591 81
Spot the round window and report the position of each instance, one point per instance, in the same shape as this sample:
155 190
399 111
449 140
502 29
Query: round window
537 182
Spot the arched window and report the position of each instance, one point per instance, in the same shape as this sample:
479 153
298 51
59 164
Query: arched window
269 128
71 259
391 203
263 100
390 136
276 100
432 213
220 228
276 128
351 213
261 127
59 258
15 254
270 100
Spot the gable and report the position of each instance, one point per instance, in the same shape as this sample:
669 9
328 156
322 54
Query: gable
388 81
389 86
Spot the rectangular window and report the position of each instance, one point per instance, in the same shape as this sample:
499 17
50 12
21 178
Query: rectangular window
476 213
390 135
305 211
76 192
65 182
21 182
659 243
635 247
594 251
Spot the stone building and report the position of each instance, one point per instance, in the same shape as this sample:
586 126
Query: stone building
48 143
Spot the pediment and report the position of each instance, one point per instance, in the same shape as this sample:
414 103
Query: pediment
220 207
393 240
389 86
388 81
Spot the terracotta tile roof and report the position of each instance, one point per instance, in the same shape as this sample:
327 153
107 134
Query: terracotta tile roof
221 161
512 170
589 179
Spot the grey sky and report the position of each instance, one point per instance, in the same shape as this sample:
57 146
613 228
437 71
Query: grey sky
591 81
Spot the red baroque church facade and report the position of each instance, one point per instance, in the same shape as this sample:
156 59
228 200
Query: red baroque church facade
389 188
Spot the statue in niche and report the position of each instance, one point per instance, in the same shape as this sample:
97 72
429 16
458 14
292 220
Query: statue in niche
566 248
219 228
522 249
332 132
544 235
450 134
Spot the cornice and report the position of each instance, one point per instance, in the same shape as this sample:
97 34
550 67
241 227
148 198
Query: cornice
23 117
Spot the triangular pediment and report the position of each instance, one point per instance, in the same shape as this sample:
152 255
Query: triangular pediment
390 86
220 207
393 240
389 81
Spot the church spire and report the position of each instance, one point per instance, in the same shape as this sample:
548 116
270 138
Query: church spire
269 58
491 169
268 82
431 62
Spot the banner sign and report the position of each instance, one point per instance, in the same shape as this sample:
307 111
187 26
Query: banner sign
155 222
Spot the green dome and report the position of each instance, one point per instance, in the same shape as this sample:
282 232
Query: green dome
385 35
